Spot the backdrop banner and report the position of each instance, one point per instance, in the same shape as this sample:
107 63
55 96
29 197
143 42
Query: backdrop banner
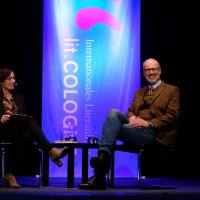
91 64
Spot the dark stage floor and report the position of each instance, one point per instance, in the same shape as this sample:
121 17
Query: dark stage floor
185 189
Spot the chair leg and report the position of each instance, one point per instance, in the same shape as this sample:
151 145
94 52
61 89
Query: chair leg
139 177
3 168
149 187
111 172
41 172
41 167
139 170
2 165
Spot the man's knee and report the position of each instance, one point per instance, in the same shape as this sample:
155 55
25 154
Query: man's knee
114 112
117 114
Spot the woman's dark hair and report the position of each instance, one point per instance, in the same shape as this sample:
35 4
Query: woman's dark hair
4 74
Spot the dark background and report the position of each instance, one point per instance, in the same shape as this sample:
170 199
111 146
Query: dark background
170 33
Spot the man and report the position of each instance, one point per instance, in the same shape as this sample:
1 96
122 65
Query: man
151 118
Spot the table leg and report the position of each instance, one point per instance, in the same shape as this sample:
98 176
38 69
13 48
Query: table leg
84 165
45 178
70 179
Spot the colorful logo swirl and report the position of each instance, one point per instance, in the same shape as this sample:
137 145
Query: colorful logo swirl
87 17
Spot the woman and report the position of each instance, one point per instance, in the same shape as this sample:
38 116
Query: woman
19 128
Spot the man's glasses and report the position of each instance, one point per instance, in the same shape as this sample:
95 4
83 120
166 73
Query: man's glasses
151 69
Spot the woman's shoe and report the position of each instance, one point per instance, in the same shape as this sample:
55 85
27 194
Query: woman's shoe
10 182
56 154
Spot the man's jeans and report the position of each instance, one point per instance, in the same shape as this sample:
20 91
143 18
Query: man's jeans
117 127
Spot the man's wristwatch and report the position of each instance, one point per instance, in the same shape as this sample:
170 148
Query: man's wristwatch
150 124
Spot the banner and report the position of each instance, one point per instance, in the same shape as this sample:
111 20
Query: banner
91 64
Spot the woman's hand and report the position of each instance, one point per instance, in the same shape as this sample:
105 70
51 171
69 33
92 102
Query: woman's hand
5 118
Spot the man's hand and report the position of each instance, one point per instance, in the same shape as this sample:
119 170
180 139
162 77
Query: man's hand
5 118
138 122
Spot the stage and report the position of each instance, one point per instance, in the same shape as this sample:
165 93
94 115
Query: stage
185 189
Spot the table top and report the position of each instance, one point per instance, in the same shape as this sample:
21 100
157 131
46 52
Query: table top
75 145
